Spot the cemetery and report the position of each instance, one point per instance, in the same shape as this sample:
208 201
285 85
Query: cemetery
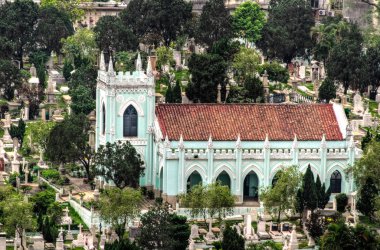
234 125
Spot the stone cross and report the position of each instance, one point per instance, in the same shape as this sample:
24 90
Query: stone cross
80 228
60 235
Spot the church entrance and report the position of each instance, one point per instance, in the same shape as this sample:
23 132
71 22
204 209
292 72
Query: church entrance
194 179
224 179
251 187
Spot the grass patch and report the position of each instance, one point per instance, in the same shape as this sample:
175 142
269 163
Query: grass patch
182 75
75 217
373 108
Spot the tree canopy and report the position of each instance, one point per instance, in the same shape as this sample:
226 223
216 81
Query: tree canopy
163 230
17 22
248 20
287 31
155 21
60 149
10 78
53 26
282 195
207 71
214 23
327 90
112 33
118 206
120 163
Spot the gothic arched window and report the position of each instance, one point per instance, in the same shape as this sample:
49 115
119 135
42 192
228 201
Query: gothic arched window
336 182
130 122
103 119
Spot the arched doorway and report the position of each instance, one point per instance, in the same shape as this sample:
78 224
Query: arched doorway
194 179
336 182
251 187
224 179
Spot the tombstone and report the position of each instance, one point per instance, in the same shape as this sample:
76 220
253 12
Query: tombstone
293 242
248 225
378 95
194 231
3 241
26 111
96 194
177 58
57 117
191 244
302 72
50 62
367 119
79 242
114 236
378 109
7 124
322 71
314 72
103 239
261 230
42 112
38 243
358 103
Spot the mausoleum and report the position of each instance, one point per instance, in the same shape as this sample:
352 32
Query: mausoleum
241 145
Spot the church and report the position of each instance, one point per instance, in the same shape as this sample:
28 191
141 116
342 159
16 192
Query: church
240 145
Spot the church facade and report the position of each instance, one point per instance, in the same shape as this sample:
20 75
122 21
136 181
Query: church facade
240 145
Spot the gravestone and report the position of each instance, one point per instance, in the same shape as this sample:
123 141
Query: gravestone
194 231
358 104
378 95
293 242
3 241
367 119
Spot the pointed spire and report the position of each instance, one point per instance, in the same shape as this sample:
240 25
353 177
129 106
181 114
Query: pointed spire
110 67
295 141
266 142
167 142
181 145
209 144
323 141
138 62
149 71
102 64
238 142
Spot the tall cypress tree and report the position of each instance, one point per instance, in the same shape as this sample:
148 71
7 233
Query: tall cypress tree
169 94
319 191
177 94
367 195
309 190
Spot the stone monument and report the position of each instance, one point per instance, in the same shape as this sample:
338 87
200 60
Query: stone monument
358 104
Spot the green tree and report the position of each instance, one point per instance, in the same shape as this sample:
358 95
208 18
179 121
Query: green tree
316 225
71 7
162 230
177 93
309 192
341 202
157 20
118 206
344 58
18 216
275 71
84 76
282 196
367 198
66 71
245 64
254 89
53 26
248 20
169 94
213 200
207 71
36 135
226 48
18 131
112 34
164 57
337 237
80 47
120 163
287 32
214 23
327 90
232 240
61 150
10 79
121 244
82 101
18 21
368 166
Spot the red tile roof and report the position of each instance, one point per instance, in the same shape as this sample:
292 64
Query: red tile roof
252 121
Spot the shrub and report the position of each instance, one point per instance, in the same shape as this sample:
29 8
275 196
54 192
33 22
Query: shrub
341 202
143 190
50 174
159 200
